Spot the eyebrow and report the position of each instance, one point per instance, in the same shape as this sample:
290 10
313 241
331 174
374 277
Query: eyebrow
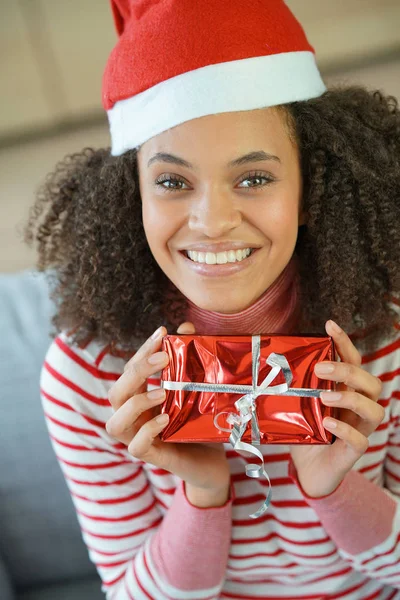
255 156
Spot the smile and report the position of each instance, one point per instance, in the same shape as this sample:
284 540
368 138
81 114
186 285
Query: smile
219 258
220 264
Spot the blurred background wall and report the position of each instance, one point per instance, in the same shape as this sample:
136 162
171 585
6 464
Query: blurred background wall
52 55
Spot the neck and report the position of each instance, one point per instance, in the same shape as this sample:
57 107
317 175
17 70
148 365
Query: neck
276 311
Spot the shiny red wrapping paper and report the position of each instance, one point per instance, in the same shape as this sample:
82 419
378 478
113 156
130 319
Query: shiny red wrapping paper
228 360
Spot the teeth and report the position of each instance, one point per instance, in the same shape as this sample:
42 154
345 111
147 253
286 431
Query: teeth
211 258
219 258
231 256
222 258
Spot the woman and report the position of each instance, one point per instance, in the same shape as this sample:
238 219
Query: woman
240 197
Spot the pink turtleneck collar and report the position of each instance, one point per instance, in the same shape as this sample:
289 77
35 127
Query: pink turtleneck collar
276 311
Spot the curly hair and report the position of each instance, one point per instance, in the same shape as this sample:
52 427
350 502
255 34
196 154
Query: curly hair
87 224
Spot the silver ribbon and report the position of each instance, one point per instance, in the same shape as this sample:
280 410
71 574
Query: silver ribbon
246 406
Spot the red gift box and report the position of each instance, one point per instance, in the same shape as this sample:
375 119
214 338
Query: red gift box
272 376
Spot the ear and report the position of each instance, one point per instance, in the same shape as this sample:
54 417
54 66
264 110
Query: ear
303 218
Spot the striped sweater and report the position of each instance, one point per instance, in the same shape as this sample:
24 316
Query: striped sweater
148 542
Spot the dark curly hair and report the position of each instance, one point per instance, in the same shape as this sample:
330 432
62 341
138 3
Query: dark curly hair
87 223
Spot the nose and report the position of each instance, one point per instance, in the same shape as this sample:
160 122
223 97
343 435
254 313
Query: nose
214 214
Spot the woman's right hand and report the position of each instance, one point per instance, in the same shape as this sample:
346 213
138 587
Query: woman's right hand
137 423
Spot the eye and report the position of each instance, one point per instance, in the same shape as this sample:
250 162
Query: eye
173 183
256 177
176 183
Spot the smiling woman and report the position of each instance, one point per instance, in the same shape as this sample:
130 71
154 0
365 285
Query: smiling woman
239 197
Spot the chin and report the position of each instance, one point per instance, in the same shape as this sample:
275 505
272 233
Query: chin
221 304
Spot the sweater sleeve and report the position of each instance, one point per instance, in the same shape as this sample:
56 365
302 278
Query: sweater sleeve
363 519
138 552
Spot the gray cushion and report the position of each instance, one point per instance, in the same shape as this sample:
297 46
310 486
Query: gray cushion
6 590
40 539
80 590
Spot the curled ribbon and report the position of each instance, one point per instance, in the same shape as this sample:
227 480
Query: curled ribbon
246 406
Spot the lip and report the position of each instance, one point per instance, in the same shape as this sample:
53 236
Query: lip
220 270
219 247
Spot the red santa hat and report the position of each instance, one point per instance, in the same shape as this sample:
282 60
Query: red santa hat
177 60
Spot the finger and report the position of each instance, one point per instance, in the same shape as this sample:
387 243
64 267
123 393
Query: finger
370 412
152 344
349 445
142 445
343 344
186 328
352 376
134 379
127 415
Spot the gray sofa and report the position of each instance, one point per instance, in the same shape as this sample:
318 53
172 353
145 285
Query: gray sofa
42 555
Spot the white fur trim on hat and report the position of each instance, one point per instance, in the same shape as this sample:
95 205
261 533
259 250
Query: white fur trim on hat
238 85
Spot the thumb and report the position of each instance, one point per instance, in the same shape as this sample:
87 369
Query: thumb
186 327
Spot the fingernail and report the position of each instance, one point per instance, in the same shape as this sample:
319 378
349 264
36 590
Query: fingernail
335 326
162 419
324 368
157 333
330 396
158 358
156 394
330 423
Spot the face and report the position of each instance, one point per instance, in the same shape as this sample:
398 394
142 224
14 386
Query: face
221 200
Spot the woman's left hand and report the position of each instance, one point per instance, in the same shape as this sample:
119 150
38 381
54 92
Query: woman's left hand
321 468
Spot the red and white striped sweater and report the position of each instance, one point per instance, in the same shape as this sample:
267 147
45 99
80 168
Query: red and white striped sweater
148 541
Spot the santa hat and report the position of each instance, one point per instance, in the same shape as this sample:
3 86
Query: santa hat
178 60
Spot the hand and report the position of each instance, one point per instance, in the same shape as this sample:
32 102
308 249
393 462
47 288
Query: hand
137 423
320 469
